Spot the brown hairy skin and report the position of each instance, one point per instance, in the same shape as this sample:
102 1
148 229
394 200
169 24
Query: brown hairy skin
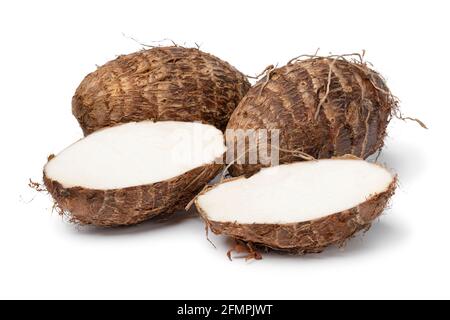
127 206
165 83
318 112
305 237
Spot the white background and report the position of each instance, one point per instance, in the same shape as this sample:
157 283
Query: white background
47 47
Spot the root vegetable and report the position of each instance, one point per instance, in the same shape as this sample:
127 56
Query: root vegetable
128 173
323 106
167 83
301 207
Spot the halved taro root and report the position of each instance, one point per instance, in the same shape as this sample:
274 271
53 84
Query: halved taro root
126 174
301 207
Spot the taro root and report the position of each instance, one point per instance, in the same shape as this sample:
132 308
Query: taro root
135 171
301 207
323 107
166 83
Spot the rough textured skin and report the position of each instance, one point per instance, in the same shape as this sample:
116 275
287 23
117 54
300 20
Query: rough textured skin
352 118
167 83
119 207
306 237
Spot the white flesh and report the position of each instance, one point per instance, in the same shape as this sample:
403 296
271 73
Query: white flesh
296 192
136 154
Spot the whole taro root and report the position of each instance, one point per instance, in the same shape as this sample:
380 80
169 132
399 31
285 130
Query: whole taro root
164 83
323 106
